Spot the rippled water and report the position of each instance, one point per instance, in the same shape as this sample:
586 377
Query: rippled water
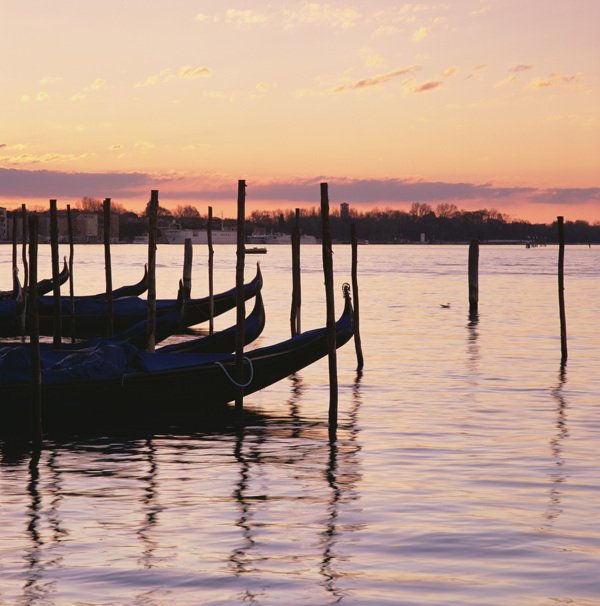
466 469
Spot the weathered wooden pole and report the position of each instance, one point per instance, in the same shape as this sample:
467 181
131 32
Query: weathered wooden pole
473 277
188 254
14 249
34 340
151 323
331 338
25 283
296 281
108 268
355 301
561 289
71 279
211 254
240 302
57 320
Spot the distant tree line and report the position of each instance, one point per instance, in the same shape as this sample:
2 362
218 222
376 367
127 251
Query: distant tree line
444 223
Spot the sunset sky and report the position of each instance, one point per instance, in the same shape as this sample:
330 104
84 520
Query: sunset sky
479 103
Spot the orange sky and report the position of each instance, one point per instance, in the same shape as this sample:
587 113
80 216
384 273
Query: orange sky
483 104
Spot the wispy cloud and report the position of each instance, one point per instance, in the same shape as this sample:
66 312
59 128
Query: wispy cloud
48 158
519 67
248 17
421 33
506 82
411 87
97 84
478 71
554 79
313 13
373 80
183 73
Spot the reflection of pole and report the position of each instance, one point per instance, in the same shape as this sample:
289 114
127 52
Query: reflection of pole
473 277
331 341
561 289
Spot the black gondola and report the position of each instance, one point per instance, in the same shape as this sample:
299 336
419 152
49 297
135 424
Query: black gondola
91 313
138 388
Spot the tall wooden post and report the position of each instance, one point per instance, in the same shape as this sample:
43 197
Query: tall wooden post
240 301
296 281
188 254
151 323
108 268
15 269
211 254
561 289
473 277
355 301
71 278
331 338
57 320
34 340
25 283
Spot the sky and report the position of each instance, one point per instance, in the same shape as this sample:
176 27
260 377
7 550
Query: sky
477 103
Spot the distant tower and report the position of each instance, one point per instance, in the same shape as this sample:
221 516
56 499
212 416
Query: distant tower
345 210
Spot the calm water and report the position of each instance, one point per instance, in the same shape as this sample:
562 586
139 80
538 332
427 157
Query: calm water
466 469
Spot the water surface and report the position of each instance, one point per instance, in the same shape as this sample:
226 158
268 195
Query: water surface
465 469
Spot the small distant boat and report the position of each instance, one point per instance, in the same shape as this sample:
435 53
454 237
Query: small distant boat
445 305
256 250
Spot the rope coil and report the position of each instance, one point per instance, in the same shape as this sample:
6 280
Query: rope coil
233 380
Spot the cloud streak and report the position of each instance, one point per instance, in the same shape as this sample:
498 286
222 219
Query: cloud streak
373 80
40 184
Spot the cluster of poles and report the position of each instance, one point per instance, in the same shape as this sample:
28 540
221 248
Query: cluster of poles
474 284
31 276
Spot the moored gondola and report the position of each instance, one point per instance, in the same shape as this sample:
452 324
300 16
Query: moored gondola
118 386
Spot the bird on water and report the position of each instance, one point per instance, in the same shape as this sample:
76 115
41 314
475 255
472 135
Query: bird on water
445 305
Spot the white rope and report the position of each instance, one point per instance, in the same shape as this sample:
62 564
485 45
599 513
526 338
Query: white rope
235 382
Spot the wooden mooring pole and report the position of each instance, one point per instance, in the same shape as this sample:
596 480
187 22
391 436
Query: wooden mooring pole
296 282
34 340
561 289
355 302
71 278
108 268
330 304
151 323
57 320
15 269
25 283
473 277
211 255
188 255
240 302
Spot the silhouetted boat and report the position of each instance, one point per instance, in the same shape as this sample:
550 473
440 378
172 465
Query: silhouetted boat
119 386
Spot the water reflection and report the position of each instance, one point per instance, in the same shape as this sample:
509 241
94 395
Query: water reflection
473 354
558 476
342 474
150 507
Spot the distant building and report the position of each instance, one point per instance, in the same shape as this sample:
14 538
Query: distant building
344 210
